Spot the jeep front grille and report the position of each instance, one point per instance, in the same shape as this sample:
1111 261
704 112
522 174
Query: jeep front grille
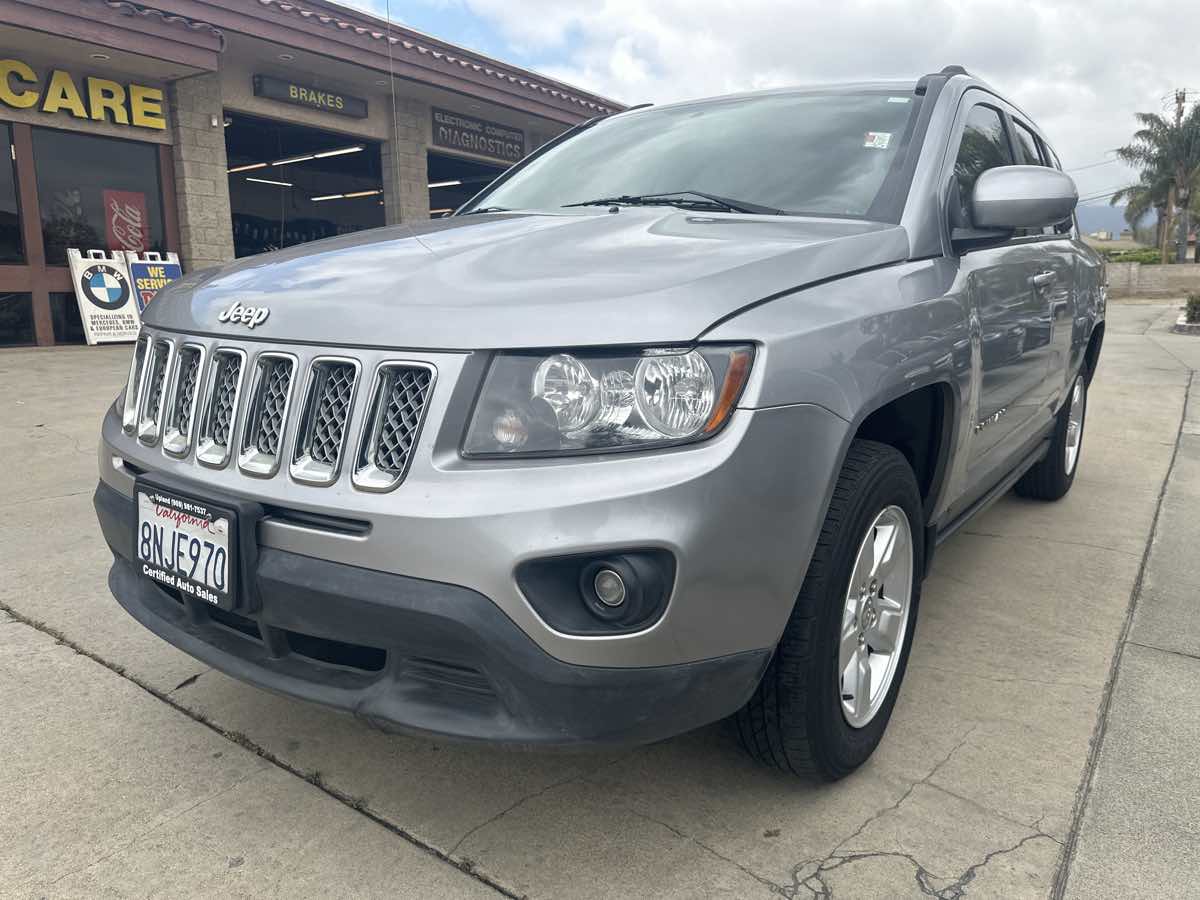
220 407
258 408
181 405
324 421
396 412
266 416
156 369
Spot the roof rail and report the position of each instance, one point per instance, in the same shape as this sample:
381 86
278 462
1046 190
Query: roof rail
946 73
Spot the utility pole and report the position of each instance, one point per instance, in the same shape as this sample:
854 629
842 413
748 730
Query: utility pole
1182 195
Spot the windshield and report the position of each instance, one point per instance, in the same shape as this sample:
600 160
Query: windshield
814 154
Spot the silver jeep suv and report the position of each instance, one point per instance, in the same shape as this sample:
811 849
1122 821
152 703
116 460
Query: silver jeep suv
661 427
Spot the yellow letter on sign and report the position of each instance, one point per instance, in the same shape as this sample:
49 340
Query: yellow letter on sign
146 106
14 68
105 97
61 93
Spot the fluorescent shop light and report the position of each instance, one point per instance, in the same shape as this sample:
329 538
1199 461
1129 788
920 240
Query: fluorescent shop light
352 196
247 168
344 150
293 159
269 181
438 184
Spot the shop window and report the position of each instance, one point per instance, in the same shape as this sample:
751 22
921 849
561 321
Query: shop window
454 180
10 215
97 193
64 313
289 184
16 319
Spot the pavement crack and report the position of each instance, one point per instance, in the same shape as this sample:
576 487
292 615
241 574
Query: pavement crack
1182 653
1004 679
504 812
1048 540
818 886
766 882
312 778
189 681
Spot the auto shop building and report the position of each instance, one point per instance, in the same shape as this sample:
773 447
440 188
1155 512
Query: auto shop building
224 128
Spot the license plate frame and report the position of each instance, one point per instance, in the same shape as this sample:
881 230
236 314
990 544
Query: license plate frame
191 511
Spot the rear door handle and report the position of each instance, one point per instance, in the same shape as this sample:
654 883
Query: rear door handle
1041 279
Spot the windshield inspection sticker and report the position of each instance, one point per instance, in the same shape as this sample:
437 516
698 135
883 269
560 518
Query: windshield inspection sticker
878 140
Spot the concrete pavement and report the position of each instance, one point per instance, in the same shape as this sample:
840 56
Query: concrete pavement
988 770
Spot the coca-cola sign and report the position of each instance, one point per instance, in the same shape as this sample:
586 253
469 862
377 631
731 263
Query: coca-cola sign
126 223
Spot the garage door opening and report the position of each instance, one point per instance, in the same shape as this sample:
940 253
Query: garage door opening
453 181
289 184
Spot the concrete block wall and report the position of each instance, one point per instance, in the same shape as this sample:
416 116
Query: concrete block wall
1135 279
405 166
201 182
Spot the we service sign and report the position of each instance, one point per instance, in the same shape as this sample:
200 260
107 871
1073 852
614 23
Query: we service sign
107 305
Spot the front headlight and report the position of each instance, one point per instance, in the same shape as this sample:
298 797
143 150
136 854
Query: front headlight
595 401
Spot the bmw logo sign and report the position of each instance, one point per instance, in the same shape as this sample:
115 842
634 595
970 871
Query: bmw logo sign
105 286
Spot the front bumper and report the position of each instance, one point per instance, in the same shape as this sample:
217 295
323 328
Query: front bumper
419 656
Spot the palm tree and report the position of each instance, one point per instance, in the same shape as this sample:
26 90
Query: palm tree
1151 192
1165 149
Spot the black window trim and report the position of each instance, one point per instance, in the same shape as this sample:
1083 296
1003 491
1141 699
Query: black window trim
975 96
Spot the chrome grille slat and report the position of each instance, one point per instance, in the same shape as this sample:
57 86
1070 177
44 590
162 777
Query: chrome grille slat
189 372
330 412
180 413
327 408
225 401
214 442
268 425
396 413
157 369
266 414
133 386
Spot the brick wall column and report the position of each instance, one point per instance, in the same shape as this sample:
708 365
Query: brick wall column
201 182
405 168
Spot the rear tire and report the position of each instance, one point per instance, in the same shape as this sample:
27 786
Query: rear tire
798 719
1051 478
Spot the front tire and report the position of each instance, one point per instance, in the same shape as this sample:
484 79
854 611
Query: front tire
1051 478
828 693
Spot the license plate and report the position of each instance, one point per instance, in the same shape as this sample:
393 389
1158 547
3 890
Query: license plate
186 544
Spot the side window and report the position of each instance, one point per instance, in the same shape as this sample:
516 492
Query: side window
1027 146
984 146
1066 226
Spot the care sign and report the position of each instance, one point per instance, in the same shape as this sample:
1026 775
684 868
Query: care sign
150 273
99 99
105 295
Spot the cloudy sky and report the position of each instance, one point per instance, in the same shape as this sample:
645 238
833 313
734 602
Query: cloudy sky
1081 69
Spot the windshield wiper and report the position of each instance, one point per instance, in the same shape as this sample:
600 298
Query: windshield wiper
486 209
680 198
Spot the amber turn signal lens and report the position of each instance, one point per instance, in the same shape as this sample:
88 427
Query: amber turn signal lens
731 389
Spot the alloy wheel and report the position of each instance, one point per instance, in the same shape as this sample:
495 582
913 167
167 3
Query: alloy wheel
875 616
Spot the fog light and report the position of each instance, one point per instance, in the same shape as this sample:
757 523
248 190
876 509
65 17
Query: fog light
609 587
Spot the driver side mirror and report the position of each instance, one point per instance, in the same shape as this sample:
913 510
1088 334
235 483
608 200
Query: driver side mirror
1007 198
1012 197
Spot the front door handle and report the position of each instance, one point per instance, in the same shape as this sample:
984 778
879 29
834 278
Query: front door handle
1041 279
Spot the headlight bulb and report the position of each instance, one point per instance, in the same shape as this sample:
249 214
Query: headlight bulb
675 394
569 388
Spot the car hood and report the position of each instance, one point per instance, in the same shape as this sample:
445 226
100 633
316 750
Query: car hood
588 277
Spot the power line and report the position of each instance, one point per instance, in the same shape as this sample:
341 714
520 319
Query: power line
1103 162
